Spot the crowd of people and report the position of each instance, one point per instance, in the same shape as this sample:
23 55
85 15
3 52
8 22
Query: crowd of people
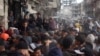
37 36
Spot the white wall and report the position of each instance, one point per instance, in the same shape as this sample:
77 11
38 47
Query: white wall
4 15
1 8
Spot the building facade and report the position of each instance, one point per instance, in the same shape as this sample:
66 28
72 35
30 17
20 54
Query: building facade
76 11
92 8
67 2
4 13
45 7
76 8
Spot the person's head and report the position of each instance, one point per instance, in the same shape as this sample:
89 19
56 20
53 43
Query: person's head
72 31
25 23
67 43
26 16
64 33
51 19
51 33
31 16
11 13
23 48
37 51
11 30
22 45
90 38
79 40
38 14
45 39
15 21
36 40
16 38
46 20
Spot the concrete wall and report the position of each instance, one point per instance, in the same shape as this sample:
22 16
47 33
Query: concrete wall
1 8
4 13
1 13
45 7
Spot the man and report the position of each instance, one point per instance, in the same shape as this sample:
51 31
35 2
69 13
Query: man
56 50
81 47
23 48
24 28
79 44
11 19
72 33
67 47
2 48
52 24
79 41
39 21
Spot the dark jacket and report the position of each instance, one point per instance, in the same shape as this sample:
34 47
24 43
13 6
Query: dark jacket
23 30
15 54
69 53
55 52
88 49
39 22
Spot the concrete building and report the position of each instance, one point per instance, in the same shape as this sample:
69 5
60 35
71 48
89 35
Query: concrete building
88 7
76 8
46 7
53 7
92 8
76 11
1 11
67 2
97 9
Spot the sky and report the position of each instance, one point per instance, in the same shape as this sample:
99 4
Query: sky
79 1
